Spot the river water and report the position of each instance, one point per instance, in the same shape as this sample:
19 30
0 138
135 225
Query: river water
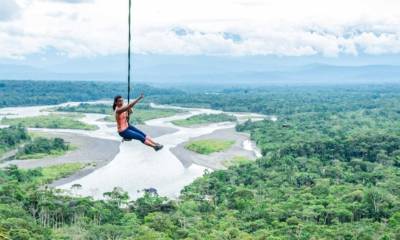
136 166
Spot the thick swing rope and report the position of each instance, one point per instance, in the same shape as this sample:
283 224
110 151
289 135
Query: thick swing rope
129 62
129 53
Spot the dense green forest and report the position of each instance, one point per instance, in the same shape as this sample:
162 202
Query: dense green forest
330 170
282 101
30 93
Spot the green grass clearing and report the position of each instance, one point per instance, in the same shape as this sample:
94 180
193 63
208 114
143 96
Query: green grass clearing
52 173
141 112
236 160
204 119
49 121
86 108
140 116
208 146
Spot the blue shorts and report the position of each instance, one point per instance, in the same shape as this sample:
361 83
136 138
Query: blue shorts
133 133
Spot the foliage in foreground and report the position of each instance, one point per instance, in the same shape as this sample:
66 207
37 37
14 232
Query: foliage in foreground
275 197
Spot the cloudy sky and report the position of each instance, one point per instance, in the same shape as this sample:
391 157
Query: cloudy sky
90 28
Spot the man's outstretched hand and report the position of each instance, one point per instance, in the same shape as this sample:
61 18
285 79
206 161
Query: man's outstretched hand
141 96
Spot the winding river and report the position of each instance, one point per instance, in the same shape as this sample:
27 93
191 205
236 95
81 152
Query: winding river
137 167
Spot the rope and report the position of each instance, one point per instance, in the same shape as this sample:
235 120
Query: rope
129 54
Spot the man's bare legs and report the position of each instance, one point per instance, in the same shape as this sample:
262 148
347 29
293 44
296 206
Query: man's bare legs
149 142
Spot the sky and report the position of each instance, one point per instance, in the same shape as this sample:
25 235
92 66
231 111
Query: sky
98 28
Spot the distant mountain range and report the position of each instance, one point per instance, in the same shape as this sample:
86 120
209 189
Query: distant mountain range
173 70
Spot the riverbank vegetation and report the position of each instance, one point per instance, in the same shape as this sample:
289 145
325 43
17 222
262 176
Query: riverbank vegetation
330 170
16 142
208 146
42 147
204 119
12 137
141 115
86 108
141 112
19 144
54 121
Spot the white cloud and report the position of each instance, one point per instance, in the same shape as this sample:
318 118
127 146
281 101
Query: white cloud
73 1
9 9
284 27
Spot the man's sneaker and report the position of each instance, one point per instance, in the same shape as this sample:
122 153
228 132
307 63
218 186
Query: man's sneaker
158 147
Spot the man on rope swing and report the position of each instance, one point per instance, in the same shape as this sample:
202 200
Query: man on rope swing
127 131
